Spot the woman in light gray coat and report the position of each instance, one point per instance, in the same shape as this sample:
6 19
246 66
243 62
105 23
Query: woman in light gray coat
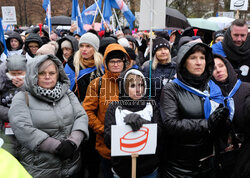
48 121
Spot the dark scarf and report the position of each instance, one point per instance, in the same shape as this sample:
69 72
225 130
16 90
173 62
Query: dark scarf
194 81
235 54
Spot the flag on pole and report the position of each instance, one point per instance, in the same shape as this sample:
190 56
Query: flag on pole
2 39
76 16
118 4
89 13
47 8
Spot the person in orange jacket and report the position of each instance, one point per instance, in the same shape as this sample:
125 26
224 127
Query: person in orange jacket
116 60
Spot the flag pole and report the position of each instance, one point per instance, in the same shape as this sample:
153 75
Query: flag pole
95 16
151 45
99 11
117 19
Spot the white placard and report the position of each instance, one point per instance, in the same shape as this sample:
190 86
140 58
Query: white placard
241 5
158 16
124 141
9 15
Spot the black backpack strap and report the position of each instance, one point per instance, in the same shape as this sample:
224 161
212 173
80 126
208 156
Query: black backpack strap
27 98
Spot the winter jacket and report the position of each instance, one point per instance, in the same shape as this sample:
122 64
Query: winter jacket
74 43
240 118
19 50
145 164
95 106
7 92
187 135
42 118
163 74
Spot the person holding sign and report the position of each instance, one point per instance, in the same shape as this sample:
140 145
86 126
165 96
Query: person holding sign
133 109
192 114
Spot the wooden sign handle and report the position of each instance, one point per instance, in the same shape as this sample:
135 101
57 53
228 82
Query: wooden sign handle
134 156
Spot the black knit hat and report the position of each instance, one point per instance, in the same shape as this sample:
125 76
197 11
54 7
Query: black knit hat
105 42
217 34
159 43
115 54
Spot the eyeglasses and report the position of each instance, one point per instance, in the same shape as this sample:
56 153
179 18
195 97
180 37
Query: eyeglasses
115 62
44 74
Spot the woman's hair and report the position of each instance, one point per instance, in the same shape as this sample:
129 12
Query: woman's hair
129 79
97 58
155 60
46 64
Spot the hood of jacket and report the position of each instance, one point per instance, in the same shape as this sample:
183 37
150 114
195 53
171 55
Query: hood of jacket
16 36
74 43
123 95
231 80
33 37
116 47
182 57
31 77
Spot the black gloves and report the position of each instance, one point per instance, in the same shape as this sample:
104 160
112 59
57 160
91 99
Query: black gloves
66 149
135 121
217 120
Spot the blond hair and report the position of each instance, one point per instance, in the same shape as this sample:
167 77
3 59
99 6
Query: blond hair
156 61
98 58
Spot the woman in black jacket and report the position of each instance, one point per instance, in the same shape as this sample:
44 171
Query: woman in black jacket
134 109
190 114
237 99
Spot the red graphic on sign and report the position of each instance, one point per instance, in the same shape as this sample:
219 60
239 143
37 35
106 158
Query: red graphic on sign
131 144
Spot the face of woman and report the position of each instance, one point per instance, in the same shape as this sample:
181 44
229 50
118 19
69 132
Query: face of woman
220 38
115 65
48 78
86 50
220 70
14 43
162 54
196 63
136 88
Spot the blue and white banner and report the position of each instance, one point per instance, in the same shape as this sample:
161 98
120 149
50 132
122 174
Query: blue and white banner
47 8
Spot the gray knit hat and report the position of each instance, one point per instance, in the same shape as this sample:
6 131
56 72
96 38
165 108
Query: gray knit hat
16 62
91 39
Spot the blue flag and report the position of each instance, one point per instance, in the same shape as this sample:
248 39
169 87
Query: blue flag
2 37
118 4
47 8
76 16
89 13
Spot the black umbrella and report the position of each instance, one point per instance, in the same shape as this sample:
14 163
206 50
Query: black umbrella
60 20
175 19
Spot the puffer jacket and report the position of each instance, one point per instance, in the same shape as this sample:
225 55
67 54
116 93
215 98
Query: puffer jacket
187 135
145 164
95 106
42 118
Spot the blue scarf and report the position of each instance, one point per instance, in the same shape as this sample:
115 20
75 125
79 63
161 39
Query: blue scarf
71 74
215 95
230 100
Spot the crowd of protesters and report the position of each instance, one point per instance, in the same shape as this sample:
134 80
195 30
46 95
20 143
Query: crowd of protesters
61 93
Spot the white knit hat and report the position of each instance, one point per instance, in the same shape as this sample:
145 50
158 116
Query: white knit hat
91 39
49 48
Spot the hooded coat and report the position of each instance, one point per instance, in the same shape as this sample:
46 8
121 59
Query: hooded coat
74 44
19 50
33 37
187 135
43 118
7 91
96 106
145 164
240 120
